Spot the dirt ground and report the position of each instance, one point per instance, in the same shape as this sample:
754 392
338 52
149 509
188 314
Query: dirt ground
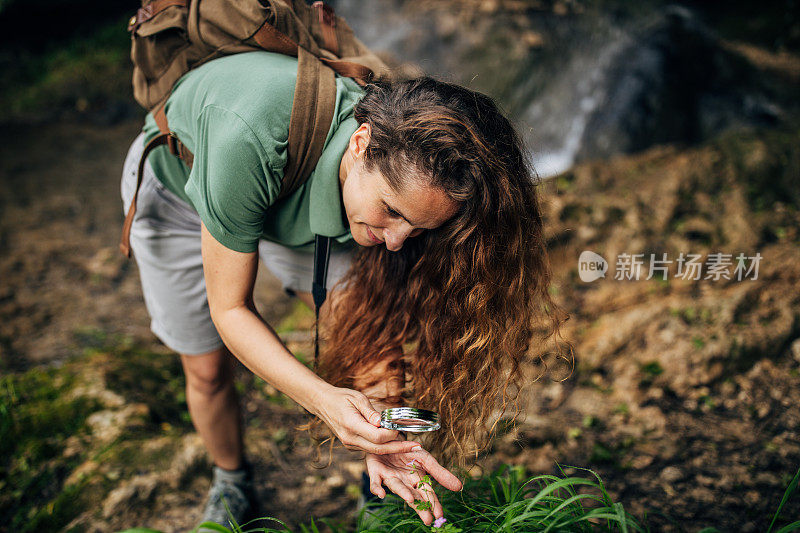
683 397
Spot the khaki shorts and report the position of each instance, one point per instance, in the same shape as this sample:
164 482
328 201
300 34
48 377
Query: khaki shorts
165 239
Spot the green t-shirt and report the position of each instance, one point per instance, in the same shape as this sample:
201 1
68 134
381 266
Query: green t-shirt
233 114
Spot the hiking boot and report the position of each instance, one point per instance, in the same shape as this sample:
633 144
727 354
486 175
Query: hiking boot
234 488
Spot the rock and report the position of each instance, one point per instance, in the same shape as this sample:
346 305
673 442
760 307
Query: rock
642 461
704 480
796 350
94 386
488 7
767 478
354 468
752 498
109 424
72 447
641 106
533 39
189 460
538 460
107 263
671 474
702 495
335 481
137 490
81 472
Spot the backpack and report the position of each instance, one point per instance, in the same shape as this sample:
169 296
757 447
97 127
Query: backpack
171 37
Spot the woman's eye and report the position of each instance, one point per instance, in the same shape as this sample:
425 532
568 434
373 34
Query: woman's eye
392 212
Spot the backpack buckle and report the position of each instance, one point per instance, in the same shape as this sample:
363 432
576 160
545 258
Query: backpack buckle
174 144
326 13
142 15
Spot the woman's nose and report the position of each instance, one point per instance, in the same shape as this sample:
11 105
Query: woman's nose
395 237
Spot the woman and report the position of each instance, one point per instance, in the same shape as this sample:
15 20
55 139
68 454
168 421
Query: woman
439 256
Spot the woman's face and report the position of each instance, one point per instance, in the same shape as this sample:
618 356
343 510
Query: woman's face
378 214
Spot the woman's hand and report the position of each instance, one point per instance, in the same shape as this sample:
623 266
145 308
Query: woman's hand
352 419
406 474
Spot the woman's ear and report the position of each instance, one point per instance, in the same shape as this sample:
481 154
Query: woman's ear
360 139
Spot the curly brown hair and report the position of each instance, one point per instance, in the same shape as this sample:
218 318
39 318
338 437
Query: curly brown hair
457 308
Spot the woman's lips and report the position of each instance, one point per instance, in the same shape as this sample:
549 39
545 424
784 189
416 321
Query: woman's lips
373 237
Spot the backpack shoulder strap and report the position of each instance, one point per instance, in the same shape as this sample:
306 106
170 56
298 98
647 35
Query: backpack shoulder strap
176 147
319 291
312 115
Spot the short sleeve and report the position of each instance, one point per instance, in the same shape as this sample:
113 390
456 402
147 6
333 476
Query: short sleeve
231 183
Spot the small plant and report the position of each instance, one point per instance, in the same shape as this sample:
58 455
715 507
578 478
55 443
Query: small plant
439 525
423 484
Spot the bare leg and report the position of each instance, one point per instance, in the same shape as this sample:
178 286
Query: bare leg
214 405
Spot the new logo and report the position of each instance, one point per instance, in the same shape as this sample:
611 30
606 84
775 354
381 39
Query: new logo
591 266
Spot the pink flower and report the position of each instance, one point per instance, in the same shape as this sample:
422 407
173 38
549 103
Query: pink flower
439 522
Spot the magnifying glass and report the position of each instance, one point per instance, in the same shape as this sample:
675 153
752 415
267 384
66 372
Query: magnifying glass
410 419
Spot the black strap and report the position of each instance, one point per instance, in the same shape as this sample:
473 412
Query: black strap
322 253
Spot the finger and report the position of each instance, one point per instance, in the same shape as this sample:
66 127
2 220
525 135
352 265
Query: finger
366 427
425 514
375 480
424 491
376 488
395 446
409 495
398 487
358 428
377 435
430 495
437 471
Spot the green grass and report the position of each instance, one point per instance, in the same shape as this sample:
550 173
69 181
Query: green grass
44 435
37 415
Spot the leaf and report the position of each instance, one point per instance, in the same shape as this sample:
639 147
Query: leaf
789 490
213 526
422 506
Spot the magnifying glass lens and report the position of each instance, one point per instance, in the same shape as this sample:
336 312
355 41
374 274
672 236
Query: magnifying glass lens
410 419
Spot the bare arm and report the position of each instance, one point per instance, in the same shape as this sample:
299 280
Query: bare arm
383 382
230 277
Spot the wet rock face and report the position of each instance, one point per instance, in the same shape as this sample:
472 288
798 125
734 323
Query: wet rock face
673 83
582 82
